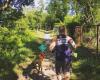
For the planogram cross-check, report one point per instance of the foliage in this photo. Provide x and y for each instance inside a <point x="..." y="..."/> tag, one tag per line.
<point x="72" y="19"/>
<point x="87" y="65"/>
<point x="11" y="43"/>
<point x="17" y="28"/>
<point x="15" y="33"/>
<point x="17" y="38"/>
<point x="97" y="16"/>
<point x="88" y="10"/>
<point x="58" y="9"/>
<point x="4" y="4"/>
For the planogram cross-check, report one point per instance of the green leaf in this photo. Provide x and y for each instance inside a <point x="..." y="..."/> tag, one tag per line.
<point x="75" y="55"/>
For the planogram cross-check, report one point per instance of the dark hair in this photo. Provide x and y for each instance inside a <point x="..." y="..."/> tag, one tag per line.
<point x="61" y="29"/>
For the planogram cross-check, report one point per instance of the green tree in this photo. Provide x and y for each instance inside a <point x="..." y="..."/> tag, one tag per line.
<point x="58" y="9"/>
<point x="88" y="10"/>
<point x="7" y="3"/>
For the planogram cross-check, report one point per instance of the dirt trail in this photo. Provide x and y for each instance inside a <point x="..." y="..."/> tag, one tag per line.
<point x="48" y="70"/>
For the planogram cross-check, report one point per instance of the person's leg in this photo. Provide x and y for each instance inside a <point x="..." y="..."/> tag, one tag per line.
<point x="67" y="76"/>
<point x="59" y="77"/>
<point x="66" y="71"/>
<point x="58" y="70"/>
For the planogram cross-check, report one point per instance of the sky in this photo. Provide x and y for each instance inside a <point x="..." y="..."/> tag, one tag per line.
<point x="46" y="2"/>
<point x="38" y="3"/>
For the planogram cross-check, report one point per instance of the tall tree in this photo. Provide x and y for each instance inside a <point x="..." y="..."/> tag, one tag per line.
<point x="88" y="10"/>
<point x="58" y="9"/>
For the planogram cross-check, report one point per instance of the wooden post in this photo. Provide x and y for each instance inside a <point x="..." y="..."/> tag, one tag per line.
<point x="78" y="35"/>
<point x="97" y="38"/>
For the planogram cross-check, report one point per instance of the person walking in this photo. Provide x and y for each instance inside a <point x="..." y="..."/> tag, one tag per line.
<point x="61" y="46"/>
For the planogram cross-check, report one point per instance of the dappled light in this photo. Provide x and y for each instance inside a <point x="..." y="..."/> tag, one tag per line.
<point x="86" y="66"/>
<point x="29" y="27"/>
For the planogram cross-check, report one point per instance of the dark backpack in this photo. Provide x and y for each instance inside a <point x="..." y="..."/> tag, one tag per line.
<point x="63" y="52"/>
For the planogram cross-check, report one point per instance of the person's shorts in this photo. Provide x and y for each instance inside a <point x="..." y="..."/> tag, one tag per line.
<point x="62" y="67"/>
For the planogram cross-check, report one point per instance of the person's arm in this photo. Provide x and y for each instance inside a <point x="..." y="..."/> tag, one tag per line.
<point x="52" y="44"/>
<point x="71" y="41"/>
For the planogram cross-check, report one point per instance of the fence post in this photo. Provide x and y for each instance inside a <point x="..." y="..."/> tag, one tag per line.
<point x="98" y="38"/>
<point x="78" y="35"/>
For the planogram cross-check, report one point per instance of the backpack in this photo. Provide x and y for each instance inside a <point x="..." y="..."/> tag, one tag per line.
<point x="63" y="52"/>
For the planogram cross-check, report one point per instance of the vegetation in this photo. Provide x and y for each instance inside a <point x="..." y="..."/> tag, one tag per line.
<point x="20" y="33"/>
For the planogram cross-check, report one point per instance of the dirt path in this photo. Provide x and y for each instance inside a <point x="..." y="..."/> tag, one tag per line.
<point x="48" y="67"/>
<point x="48" y="70"/>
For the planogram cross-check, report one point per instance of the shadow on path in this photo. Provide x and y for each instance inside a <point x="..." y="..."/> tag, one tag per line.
<point x="32" y="73"/>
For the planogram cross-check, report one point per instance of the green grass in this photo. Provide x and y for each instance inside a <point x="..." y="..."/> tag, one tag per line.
<point x="87" y="66"/>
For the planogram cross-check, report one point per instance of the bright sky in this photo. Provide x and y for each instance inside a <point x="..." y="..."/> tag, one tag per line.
<point x="46" y="2"/>
<point x="38" y="3"/>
